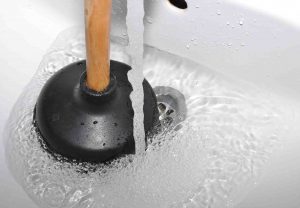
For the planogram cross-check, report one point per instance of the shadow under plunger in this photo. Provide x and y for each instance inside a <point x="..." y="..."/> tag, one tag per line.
<point x="84" y="111"/>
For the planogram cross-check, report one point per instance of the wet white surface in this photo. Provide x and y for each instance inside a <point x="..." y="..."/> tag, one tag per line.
<point x="271" y="50"/>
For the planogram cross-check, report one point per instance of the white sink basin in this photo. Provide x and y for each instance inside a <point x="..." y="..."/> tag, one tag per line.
<point x="230" y="38"/>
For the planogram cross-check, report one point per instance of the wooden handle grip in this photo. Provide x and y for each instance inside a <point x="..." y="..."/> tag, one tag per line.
<point x="97" y="30"/>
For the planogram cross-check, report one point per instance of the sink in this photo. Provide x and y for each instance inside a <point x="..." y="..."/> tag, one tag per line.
<point x="233" y="39"/>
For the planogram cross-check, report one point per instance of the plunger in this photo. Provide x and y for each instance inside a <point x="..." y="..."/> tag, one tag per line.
<point x="84" y="111"/>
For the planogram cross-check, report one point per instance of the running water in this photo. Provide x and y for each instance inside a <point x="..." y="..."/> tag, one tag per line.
<point x="135" y="29"/>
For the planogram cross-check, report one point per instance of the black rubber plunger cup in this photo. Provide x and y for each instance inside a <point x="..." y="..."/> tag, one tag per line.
<point x="82" y="124"/>
<point x="84" y="111"/>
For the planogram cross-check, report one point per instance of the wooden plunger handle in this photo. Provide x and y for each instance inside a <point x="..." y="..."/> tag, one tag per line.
<point x="97" y="30"/>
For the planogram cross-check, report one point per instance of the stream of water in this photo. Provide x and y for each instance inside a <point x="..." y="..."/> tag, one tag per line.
<point x="135" y="28"/>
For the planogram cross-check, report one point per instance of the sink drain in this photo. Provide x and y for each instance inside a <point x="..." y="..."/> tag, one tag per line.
<point x="171" y="105"/>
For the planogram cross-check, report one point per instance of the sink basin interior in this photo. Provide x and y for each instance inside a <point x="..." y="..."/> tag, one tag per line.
<point x="212" y="158"/>
<point x="239" y="73"/>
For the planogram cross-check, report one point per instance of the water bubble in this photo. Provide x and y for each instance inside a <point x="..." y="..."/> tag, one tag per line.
<point x="34" y="179"/>
<point x="54" y="195"/>
<point x="86" y="202"/>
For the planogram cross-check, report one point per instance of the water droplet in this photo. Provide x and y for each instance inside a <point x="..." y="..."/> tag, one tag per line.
<point x="241" y="22"/>
<point x="219" y="12"/>
<point x="149" y="20"/>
